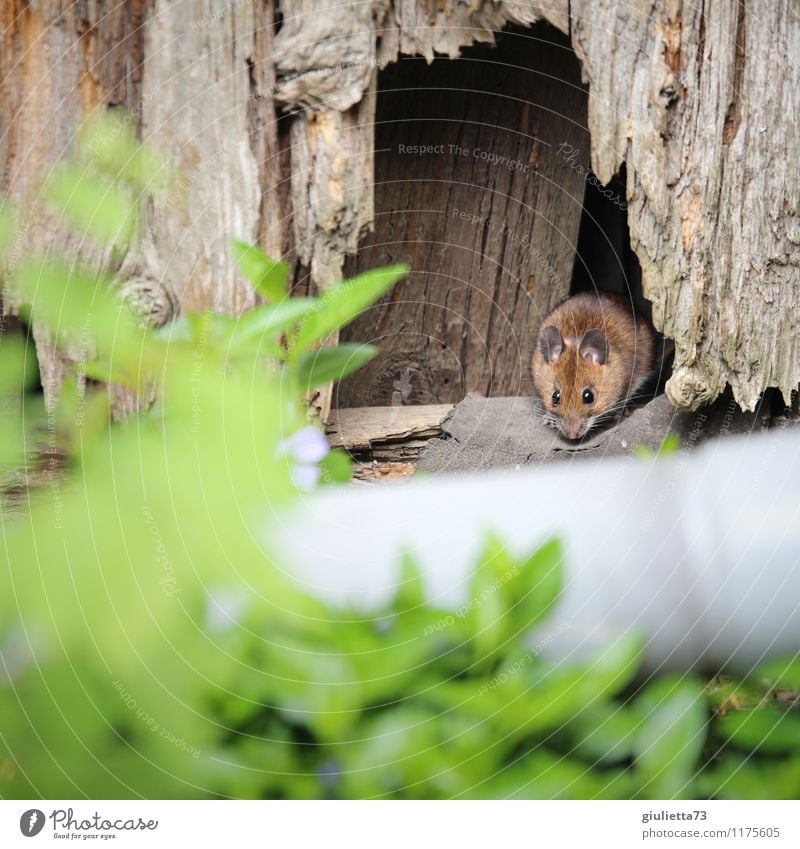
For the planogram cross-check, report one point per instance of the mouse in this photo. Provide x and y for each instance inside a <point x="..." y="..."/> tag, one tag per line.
<point x="594" y="353"/>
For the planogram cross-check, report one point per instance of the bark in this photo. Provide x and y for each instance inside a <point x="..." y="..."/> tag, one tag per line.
<point x="700" y="101"/>
<point x="196" y="79"/>
<point x="196" y="99"/>
<point x="59" y="62"/>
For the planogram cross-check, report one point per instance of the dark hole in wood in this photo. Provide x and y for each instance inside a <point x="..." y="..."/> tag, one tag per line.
<point x="605" y="261"/>
<point x="486" y="214"/>
<point x="14" y="326"/>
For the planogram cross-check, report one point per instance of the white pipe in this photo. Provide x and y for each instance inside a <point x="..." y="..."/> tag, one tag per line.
<point x="698" y="552"/>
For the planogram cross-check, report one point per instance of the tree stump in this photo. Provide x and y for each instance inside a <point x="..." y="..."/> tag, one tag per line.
<point x="698" y="102"/>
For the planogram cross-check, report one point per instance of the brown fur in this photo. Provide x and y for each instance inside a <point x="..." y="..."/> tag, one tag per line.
<point x="629" y="363"/>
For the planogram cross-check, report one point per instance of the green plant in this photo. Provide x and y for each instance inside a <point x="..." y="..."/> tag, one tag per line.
<point x="670" y="445"/>
<point x="153" y="642"/>
<point x="161" y="656"/>
<point x="97" y="194"/>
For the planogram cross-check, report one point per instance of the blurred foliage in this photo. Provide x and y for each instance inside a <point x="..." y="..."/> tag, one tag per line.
<point x="670" y="445"/>
<point x="153" y="644"/>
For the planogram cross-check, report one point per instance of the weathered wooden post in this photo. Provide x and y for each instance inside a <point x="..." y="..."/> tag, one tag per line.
<point x="272" y="130"/>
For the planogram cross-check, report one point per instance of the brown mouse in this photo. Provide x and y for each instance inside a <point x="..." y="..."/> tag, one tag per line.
<point x="593" y="354"/>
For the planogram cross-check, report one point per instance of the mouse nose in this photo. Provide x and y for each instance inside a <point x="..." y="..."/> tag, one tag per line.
<point x="572" y="428"/>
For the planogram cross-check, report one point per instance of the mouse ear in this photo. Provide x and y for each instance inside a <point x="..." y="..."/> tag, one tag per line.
<point x="594" y="347"/>
<point x="550" y="343"/>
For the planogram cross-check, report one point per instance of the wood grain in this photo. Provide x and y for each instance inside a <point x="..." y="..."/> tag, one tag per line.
<point x="59" y="63"/>
<point x="472" y="193"/>
<point x="701" y="102"/>
<point x="387" y="433"/>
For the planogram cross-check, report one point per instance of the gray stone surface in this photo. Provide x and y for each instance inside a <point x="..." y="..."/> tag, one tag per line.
<point x="488" y="433"/>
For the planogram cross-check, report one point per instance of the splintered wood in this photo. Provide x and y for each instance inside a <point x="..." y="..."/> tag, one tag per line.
<point x="386" y="433"/>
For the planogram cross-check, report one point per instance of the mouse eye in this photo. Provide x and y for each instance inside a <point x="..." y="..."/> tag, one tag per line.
<point x="556" y="397"/>
<point x="587" y="396"/>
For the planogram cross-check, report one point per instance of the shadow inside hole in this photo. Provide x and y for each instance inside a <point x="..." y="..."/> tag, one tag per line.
<point x="605" y="262"/>
<point x="471" y="194"/>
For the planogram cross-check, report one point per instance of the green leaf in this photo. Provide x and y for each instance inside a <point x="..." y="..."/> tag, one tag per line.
<point x="17" y="437"/>
<point x="781" y="672"/>
<point x="521" y="698"/>
<point x="613" y="667"/>
<point x="81" y="414"/>
<point x="563" y="692"/>
<point x="394" y="749"/>
<point x="604" y="733"/>
<point x="761" y="729"/>
<point x="670" y="445"/>
<point x="20" y="368"/>
<point x="542" y="775"/>
<point x="671" y="736"/>
<point x="743" y="777"/>
<point x="108" y="144"/>
<point x="179" y="330"/>
<point x="106" y="371"/>
<point x="539" y="585"/>
<point x="487" y="607"/>
<point x="314" y="686"/>
<point x="208" y="325"/>
<point x="497" y="561"/>
<point x="79" y="308"/>
<point x="270" y="320"/>
<point x="326" y="365"/>
<point x="207" y="332"/>
<point x="724" y="695"/>
<point x="267" y="276"/>
<point x="410" y="592"/>
<point x="340" y="304"/>
<point x="336" y="467"/>
<point x="92" y="207"/>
